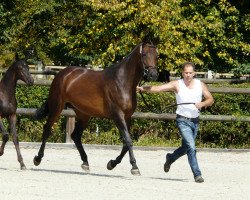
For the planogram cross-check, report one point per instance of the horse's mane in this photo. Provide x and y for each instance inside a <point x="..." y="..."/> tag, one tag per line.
<point x="125" y="58"/>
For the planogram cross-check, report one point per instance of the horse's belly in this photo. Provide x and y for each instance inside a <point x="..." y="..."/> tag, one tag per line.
<point x="86" y="97"/>
<point x="93" y="106"/>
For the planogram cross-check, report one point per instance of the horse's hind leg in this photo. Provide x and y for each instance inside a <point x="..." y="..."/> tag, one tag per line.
<point x="52" y="117"/>
<point x="12" y="122"/>
<point x="46" y="133"/>
<point x="5" y="137"/>
<point x="76" y="137"/>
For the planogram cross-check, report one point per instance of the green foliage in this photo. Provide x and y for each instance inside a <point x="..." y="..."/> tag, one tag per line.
<point x="225" y="134"/>
<point x="31" y="97"/>
<point x="143" y="131"/>
<point x="241" y="70"/>
<point x="212" y="34"/>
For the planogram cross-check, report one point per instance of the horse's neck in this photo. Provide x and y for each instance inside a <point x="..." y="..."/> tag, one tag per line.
<point x="132" y="69"/>
<point x="135" y="68"/>
<point x="9" y="81"/>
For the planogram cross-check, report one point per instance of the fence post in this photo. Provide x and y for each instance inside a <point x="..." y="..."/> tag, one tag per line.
<point x="70" y="125"/>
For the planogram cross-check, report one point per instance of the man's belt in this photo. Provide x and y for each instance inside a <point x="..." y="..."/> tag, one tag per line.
<point x="187" y="118"/>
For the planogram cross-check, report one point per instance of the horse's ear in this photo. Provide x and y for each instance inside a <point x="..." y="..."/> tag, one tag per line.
<point x="16" y="56"/>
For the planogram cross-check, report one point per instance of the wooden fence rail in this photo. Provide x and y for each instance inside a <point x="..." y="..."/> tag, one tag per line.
<point x="148" y="115"/>
<point x="70" y="114"/>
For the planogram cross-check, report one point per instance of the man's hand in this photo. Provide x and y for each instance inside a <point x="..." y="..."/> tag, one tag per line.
<point x="139" y="88"/>
<point x="199" y="105"/>
<point x="145" y="88"/>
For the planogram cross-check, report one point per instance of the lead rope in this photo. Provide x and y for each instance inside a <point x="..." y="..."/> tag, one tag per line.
<point x="157" y="111"/>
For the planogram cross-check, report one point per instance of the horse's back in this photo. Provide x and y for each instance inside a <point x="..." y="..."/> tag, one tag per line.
<point x="81" y="88"/>
<point x="70" y="76"/>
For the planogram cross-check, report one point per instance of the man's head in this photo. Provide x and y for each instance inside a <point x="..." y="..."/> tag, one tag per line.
<point x="188" y="71"/>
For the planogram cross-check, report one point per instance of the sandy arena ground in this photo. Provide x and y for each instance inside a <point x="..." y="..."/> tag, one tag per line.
<point x="59" y="176"/>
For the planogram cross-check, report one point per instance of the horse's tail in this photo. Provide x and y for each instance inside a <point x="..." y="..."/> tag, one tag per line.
<point x="42" y="112"/>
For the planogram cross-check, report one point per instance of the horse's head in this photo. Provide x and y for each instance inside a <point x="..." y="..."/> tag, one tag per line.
<point x="149" y="56"/>
<point x="22" y="71"/>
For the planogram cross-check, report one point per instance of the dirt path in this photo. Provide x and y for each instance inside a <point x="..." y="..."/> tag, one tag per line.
<point x="59" y="176"/>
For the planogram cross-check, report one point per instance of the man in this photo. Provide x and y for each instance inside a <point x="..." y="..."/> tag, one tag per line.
<point x="187" y="90"/>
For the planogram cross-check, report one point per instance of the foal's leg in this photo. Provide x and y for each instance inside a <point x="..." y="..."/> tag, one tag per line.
<point x="76" y="137"/>
<point x="12" y="122"/>
<point x="122" y="126"/>
<point x="5" y="136"/>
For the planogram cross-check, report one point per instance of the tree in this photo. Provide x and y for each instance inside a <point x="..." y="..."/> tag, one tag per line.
<point x="212" y="34"/>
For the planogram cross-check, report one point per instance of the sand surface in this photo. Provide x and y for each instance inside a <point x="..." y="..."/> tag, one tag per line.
<point x="59" y="176"/>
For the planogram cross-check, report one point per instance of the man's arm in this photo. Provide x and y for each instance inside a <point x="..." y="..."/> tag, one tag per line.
<point x="167" y="87"/>
<point x="209" y="100"/>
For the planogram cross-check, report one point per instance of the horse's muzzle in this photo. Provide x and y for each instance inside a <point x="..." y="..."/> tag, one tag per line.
<point x="150" y="74"/>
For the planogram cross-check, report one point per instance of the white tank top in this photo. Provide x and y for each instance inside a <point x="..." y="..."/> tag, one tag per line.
<point x="186" y="95"/>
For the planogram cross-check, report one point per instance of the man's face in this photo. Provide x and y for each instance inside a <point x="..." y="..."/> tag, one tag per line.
<point x="188" y="73"/>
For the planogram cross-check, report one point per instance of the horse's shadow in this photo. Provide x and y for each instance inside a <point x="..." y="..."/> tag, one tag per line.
<point x="170" y="179"/>
<point x="79" y="173"/>
<point x="98" y="175"/>
<point x="105" y="175"/>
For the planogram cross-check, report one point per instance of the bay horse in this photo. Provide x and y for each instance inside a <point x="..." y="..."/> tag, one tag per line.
<point x="110" y="93"/>
<point x="19" y="70"/>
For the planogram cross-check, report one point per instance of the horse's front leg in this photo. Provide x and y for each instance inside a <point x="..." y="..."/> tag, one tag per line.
<point x="5" y="136"/>
<point x="12" y="122"/>
<point x="112" y="163"/>
<point x="123" y="127"/>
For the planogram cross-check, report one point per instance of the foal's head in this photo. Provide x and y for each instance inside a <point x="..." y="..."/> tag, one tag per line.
<point x="149" y="55"/>
<point x="21" y="69"/>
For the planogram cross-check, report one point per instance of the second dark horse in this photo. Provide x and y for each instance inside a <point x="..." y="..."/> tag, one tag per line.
<point x="110" y="93"/>
<point x="8" y="103"/>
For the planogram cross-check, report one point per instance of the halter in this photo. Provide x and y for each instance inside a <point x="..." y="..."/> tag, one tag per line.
<point x="145" y="67"/>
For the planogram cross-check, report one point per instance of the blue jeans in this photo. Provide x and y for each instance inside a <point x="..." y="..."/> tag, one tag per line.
<point x="188" y="131"/>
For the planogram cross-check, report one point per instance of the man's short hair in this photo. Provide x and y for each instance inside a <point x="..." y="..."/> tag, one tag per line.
<point x="188" y="63"/>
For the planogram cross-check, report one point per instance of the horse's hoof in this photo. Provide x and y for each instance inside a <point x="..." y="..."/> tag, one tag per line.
<point x="36" y="161"/>
<point x="110" y="166"/>
<point x="85" y="166"/>
<point x="23" y="167"/>
<point x="135" y="172"/>
<point x="1" y="153"/>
